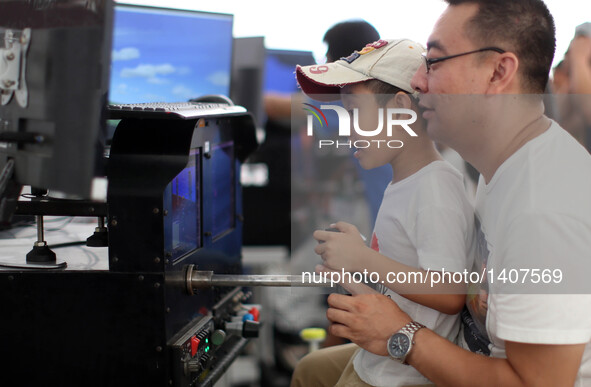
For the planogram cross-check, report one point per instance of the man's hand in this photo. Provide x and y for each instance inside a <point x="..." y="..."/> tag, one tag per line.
<point x="341" y="250"/>
<point x="367" y="320"/>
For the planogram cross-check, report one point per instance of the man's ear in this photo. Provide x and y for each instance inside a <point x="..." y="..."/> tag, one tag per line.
<point x="504" y="78"/>
<point x="400" y="100"/>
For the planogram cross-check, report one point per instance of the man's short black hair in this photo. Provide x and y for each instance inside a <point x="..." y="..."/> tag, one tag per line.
<point x="345" y="37"/>
<point x="524" y="27"/>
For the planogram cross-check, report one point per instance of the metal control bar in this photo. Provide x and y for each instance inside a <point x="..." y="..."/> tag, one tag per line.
<point x="199" y="279"/>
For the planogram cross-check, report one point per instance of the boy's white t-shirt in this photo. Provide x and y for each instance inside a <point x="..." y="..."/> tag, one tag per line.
<point x="425" y="221"/>
<point x="535" y="214"/>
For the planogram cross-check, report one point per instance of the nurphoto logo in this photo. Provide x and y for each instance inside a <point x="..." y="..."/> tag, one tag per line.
<point x="345" y="120"/>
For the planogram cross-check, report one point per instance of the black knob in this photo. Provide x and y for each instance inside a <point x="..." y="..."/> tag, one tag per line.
<point x="250" y="329"/>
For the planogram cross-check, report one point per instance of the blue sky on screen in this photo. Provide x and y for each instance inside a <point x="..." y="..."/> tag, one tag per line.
<point x="279" y="69"/>
<point x="169" y="56"/>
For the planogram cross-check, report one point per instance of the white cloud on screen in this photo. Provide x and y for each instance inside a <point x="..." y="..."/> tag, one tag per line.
<point x="148" y="70"/>
<point x="219" y="78"/>
<point x="127" y="53"/>
<point x="158" y="81"/>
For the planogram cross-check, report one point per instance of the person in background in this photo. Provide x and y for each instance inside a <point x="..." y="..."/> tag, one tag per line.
<point x="341" y="40"/>
<point x="577" y="114"/>
<point x="562" y="103"/>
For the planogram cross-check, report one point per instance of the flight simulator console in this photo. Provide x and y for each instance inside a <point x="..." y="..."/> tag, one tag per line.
<point x="172" y="219"/>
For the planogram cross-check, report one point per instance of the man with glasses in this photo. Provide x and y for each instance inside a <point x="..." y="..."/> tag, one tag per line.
<point x="486" y="65"/>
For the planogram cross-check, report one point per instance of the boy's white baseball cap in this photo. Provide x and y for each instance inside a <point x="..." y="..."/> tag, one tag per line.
<point x="393" y="61"/>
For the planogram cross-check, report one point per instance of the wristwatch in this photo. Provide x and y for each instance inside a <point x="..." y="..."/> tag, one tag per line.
<point x="401" y="342"/>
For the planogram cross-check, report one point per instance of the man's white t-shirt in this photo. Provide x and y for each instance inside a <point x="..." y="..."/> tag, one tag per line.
<point x="425" y="221"/>
<point x="535" y="217"/>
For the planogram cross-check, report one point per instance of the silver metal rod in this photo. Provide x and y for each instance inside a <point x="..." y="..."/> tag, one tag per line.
<point x="40" y="236"/>
<point x="260" y="280"/>
<point x="207" y="279"/>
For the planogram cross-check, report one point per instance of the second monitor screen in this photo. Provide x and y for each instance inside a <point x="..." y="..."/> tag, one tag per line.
<point x="182" y="199"/>
<point x="167" y="55"/>
<point x="193" y="210"/>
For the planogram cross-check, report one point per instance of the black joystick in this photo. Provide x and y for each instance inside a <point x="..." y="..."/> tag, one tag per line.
<point x="331" y="229"/>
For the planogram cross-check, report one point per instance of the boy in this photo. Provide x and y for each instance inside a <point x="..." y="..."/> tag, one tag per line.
<point x="424" y="225"/>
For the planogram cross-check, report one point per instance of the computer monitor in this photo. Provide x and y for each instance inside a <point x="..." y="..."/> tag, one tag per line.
<point x="248" y="71"/>
<point x="223" y="164"/>
<point x="55" y="78"/>
<point x="183" y="198"/>
<point x="182" y="201"/>
<point x="169" y="55"/>
<point x="280" y="69"/>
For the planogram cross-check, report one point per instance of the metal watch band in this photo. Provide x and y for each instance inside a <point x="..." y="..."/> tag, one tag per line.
<point x="412" y="327"/>
<point x="409" y="331"/>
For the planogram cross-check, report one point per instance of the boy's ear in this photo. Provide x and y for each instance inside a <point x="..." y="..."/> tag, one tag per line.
<point x="400" y="100"/>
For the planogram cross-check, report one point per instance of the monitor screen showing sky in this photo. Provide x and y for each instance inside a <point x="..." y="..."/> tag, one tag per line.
<point x="280" y="69"/>
<point x="162" y="55"/>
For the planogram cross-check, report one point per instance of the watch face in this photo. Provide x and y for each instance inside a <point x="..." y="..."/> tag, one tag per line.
<point x="399" y="345"/>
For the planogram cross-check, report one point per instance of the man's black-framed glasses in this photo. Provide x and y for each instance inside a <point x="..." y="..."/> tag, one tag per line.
<point x="431" y="61"/>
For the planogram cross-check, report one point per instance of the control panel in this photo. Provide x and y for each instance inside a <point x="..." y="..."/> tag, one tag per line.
<point x="205" y="348"/>
<point x="191" y="351"/>
<point x="235" y="317"/>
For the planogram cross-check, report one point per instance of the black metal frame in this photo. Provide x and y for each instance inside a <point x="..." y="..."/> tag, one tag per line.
<point x="99" y="328"/>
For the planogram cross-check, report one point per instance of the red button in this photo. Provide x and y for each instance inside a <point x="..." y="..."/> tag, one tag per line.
<point x="255" y="313"/>
<point x="194" y="345"/>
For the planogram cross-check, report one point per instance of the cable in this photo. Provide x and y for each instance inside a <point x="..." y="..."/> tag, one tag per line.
<point x="67" y="244"/>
